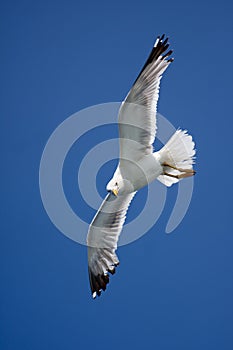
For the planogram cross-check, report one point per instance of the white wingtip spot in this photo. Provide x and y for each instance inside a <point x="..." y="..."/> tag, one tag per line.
<point x="94" y="295"/>
<point x="156" y="42"/>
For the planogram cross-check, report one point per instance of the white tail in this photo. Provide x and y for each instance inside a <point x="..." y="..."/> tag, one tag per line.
<point x="179" y="152"/>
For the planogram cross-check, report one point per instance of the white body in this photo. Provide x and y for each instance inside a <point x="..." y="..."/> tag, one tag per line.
<point x="138" y="174"/>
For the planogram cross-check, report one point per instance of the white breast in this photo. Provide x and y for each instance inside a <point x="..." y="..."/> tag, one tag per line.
<point x="141" y="173"/>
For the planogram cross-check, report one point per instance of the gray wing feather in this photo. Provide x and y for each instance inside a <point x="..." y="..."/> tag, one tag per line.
<point x="102" y="240"/>
<point x="137" y="115"/>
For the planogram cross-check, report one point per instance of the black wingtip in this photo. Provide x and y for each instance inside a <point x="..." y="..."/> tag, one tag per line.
<point x="112" y="271"/>
<point x="165" y="41"/>
<point x="98" y="283"/>
<point x="167" y="54"/>
<point x="158" y="52"/>
<point x="162" y="37"/>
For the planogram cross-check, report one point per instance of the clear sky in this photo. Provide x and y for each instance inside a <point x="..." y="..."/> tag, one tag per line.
<point x="170" y="291"/>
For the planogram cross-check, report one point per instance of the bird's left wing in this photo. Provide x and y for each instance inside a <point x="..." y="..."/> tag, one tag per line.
<point x="102" y="239"/>
<point x="137" y="115"/>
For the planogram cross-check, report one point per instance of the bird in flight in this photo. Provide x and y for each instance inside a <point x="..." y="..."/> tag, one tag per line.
<point x="138" y="164"/>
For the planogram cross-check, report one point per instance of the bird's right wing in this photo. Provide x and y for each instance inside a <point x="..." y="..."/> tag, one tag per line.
<point x="137" y="115"/>
<point x="102" y="240"/>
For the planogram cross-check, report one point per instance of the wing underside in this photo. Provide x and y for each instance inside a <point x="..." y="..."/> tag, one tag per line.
<point x="137" y="115"/>
<point x="102" y="240"/>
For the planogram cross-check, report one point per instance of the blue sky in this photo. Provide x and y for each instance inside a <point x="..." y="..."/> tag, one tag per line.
<point x="170" y="291"/>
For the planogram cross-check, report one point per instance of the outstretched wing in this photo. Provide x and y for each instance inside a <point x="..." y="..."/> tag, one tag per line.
<point x="137" y="115"/>
<point x="102" y="240"/>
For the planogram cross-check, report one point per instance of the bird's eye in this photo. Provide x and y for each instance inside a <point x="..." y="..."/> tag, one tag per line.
<point x="116" y="184"/>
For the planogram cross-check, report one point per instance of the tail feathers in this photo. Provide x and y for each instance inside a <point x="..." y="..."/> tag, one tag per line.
<point x="179" y="152"/>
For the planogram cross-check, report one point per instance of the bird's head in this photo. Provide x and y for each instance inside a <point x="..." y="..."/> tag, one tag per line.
<point x="119" y="186"/>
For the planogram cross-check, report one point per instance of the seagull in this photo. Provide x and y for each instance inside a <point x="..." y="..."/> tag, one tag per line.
<point x="138" y="164"/>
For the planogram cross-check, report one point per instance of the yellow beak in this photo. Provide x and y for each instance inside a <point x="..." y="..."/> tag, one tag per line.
<point x="115" y="191"/>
